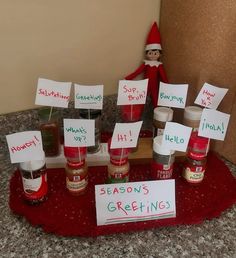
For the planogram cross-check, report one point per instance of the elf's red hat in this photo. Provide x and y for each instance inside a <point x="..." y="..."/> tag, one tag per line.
<point x="154" y="38"/>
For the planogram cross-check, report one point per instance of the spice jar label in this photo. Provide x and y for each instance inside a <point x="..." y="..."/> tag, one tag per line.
<point x="160" y="171"/>
<point x="194" y="174"/>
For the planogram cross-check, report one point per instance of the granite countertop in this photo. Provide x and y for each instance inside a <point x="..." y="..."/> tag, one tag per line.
<point x="215" y="238"/>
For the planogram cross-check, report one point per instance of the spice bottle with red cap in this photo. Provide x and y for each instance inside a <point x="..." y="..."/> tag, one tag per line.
<point x="195" y="165"/>
<point x="34" y="180"/>
<point x="118" y="167"/>
<point x="163" y="160"/>
<point x="76" y="170"/>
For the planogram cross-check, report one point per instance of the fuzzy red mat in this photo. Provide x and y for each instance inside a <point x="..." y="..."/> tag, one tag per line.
<point x="65" y="215"/>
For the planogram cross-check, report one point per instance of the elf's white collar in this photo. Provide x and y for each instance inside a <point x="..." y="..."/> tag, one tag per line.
<point x="152" y="63"/>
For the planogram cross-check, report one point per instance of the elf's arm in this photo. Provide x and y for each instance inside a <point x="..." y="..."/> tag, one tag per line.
<point x="162" y="73"/>
<point x="136" y="72"/>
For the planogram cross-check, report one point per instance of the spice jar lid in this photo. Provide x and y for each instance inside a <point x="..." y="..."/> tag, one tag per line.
<point x="74" y="152"/>
<point x="163" y="114"/>
<point x="198" y="142"/>
<point x="33" y="164"/>
<point x="117" y="152"/>
<point x="159" y="148"/>
<point x="192" y="113"/>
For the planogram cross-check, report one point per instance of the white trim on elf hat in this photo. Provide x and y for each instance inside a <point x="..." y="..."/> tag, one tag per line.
<point x="153" y="39"/>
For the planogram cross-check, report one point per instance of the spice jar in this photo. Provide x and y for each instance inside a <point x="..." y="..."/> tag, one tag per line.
<point x="192" y="117"/>
<point x="96" y="115"/>
<point x="118" y="167"/>
<point x="76" y="170"/>
<point x="163" y="160"/>
<point x="131" y="113"/>
<point x="195" y="164"/>
<point x="50" y="130"/>
<point x="34" y="180"/>
<point x="161" y="115"/>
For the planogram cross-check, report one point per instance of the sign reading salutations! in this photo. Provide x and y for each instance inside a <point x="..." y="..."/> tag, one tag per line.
<point x="172" y="95"/>
<point x="24" y="146"/>
<point x="129" y="202"/>
<point x="132" y="92"/>
<point x="213" y="124"/>
<point x="52" y="93"/>
<point x="79" y="132"/>
<point x="125" y="135"/>
<point x="176" y="136"/>
<point x="210" y="96"/>
<point x="88" y="97"/>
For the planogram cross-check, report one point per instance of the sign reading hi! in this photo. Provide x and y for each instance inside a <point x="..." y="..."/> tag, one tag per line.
<point x="52" y="93"/>
<point x="130" y="202"/>
<point x="24" y="146"/>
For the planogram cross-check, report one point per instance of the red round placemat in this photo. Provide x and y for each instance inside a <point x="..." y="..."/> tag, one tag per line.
<point x="66" y="215"/>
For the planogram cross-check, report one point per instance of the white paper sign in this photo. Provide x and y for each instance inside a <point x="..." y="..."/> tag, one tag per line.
<point x="88" y="97"/>
<point x="25" y="146"/>
<point x="125" y="135"/>
<point x="129" y="202"/>
<point x="52" y="93"/>
<point x="132" y="92"/>
<point x="213" y="124"/>
<point x="210" y="96"/>
<point x="176" y="136"/>
<point x="172" y="95"/>
<point x="79" y="132"/>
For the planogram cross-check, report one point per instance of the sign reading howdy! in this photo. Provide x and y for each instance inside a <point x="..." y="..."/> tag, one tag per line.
<point x="52" y="93"/>
<point x="79" y="132"/>
<point x="24" y="146"/>
<point x="132" y="92"/>
<point x="88" y="97"/>
<point x="130" y="202"/>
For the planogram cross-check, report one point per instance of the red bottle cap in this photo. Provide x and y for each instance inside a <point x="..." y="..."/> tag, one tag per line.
<point x="197" y="146"/>
<point x="117" y="152"/>
<point x="74" y="152"/>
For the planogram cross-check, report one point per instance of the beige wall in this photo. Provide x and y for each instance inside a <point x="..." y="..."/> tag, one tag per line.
<point x="87" y="42"/>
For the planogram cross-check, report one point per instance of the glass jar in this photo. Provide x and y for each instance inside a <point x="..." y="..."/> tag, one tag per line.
<point x="161" y="115"/>
<point x="163" y="160"/>
<point x="34" y="180"/>
<point x="96" y="115"/>
<point x="50" y="130"/>
<point x="131" y="113"/>
<point x="192" y="117"/>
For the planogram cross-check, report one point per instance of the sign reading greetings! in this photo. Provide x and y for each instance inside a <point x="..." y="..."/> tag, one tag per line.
<point x="132" y="92"/>
<point x="52" y="93"/>
<point x="130" y="202"/>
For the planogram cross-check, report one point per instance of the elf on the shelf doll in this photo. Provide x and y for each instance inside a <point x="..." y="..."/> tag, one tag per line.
<point x="151" y="67"/>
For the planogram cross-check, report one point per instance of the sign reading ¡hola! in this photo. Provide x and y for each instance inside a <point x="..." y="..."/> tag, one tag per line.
<point x="130" y="202"/>
<point x="52" y="93"/>
<point x="24" y="146"/>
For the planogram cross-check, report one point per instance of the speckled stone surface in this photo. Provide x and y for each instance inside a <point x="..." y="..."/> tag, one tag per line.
<point x="215" y="238"/>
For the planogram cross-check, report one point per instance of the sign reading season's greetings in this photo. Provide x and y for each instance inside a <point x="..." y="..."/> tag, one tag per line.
<point x="88" y="97"/>
<point x="79" y="132"/>
<point x="24" y="146"/>
<point x="125" y="135"/>
<point x="176" y="136"/>
<point x="210" y="96"/>
<point x="129" y="202"/>
<point x="132" y="92"/>
<point x="172" y="95"/>
<point x="213" y="124"/>
<point x="52" y="93"/>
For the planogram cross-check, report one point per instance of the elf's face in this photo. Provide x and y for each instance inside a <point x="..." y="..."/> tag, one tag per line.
<point x="153" y="55"/>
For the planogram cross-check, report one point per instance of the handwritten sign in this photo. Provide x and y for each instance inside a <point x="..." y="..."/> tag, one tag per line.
<point x="24" y="146"/>
<point x="176" y="136"/>
<point x="88" y="97"/>
<point x="132" y="92"/>
<point x="79" y="132"/>
<point x="210" y="96"/>
<point x="125" y="135"/>
<point x="172" y="95"/>
<point x="52" y="93"/>
<point x="129" y="202"/>
<point x="213" y="124"/>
